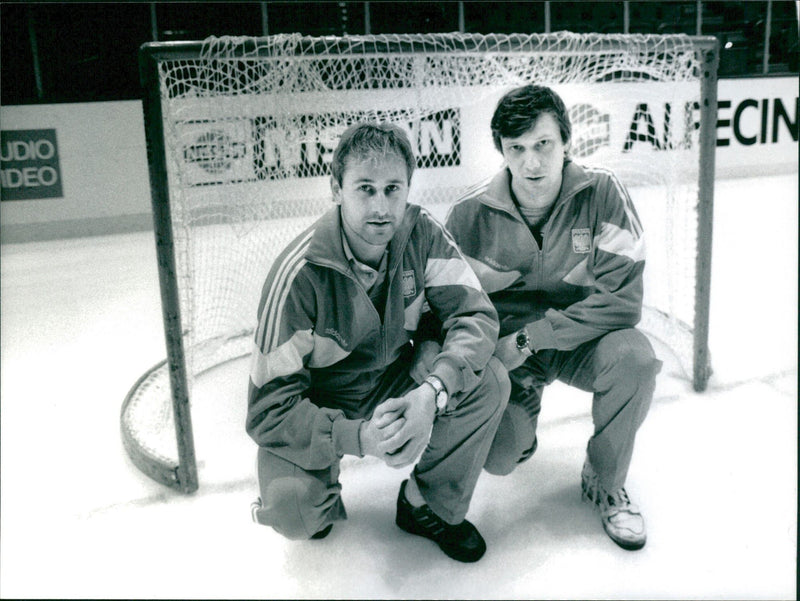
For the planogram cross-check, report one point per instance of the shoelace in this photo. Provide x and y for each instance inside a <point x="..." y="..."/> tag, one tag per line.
<point x="608" y="502"/>
<point x="620" y="499"/>
<point x="617" y="503"/>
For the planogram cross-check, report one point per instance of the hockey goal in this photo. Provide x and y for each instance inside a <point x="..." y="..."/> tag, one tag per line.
<point x="240" y="133"/>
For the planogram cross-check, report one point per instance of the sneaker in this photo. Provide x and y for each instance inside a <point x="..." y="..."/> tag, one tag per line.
<point x="461" y="542"/>
<point x="622" y="520"/>
<point x="256" y="505"/>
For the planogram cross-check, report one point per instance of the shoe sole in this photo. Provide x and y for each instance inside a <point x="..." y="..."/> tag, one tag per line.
<point x="628" y="546"/>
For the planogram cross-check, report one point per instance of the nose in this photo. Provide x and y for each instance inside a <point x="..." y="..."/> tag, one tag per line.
<point x="380" y="203"/>
<point x="532" y="161"/>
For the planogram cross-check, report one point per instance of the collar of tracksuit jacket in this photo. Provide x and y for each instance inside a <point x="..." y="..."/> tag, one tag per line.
<point x="498" y="193"/>
<point x="326" y="244"/>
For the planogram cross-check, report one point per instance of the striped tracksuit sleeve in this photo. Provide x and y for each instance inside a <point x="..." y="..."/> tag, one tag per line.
<point x="469" y="320"/>
<point x="280" y="417"/>
<point x="617" y="268"/>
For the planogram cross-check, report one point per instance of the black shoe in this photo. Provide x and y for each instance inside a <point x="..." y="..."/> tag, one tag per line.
<point x="462" y="542"/>
<point x="323" y="533"/>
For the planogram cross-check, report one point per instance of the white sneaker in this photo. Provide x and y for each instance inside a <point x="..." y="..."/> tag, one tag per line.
<point x="622" y="520"/>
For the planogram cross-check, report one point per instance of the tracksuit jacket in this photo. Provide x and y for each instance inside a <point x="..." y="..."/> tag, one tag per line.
<point x="321" y="346"/>
<point x="585" y="280"/>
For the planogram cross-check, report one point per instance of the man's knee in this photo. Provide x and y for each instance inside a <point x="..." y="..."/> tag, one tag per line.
<point x="293" y="507"/>
<point x="497" y="385"/>
<point x="632" y="356"/>
<point x="514" y="442"/>
<point x="487" y="400"/>
<point x="629" y="379"/>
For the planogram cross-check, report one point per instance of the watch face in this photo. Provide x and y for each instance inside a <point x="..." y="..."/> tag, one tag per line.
<point x="441" y="401"/>
<point x="522" y="340"/>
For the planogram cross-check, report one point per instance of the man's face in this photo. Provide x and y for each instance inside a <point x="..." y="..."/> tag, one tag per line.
<point x="535" y="160"/>
<point x="373" y="196"/>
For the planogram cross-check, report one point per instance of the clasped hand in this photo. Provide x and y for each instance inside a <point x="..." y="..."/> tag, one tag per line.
<point x="400" y="428"/>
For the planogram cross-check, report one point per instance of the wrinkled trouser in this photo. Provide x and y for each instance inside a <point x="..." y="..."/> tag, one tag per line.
<point x="619" y="368"/>
<point x="297" y="503"/>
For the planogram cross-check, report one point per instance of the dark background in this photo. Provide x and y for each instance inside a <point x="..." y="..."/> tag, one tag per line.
<point x="82" y="52"/>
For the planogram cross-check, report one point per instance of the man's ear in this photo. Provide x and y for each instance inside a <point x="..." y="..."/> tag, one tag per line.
<point x="336" y="189"/>
<point x="567" y="148"/>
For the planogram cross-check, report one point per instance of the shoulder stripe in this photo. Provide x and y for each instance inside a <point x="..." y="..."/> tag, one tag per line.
<point x="444" y="231"/>
<point x="269" y="320"/>
<point x="273" y="327"/>
<point x="449" y="270"/>
<point x="630" y="210"/>
<point x="474" y="190"/>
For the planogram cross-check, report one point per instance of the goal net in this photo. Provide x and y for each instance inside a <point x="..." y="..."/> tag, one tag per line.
<point x="241" y="131"/>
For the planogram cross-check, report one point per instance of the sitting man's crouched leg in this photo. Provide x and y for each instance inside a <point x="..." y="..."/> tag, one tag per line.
<point x="298" y="504"/>
<point x="449" y="467"/>
<point x="515" y="440"/>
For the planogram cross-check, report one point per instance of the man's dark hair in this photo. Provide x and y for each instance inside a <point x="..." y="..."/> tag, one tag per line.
<point x="365" y="140"/>
<point x="519" y="109"/>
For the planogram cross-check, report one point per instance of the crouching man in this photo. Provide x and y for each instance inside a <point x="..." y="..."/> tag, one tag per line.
<point x="331" y="371"/>
<point x="560" y="250"/>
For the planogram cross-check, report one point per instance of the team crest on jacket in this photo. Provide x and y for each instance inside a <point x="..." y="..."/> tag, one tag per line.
<point x="581" y="240"/>
<point x="409" y="284"/>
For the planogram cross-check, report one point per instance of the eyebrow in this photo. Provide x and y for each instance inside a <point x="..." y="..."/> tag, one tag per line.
<point x="537" y="139"/>
<point x="367" y="180"/>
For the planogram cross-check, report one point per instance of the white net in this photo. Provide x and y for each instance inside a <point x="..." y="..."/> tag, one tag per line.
<point x="250" y="125"/>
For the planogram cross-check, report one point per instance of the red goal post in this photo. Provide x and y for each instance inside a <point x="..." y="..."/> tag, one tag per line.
<point x="239" y="135"/>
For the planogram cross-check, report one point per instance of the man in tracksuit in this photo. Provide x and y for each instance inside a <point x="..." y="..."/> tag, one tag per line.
<point x="331" y="369"/>
<point x="559" y="248"/>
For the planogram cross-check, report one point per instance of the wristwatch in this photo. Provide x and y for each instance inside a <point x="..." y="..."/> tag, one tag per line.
<point x="440" y="391"/>
<point x="524" y="342"/>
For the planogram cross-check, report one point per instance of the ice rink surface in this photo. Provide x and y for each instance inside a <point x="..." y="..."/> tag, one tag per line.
<point x="714" y="473"/>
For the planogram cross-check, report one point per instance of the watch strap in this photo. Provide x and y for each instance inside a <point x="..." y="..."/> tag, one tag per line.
<point x="440" y="393"/>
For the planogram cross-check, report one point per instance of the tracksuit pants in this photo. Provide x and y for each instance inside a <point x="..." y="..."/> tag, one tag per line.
<point x="619" y="368"/>
<point x="298" y="503"/>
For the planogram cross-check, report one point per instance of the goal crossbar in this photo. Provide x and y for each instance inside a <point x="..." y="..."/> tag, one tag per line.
<point x="310" y="46"/>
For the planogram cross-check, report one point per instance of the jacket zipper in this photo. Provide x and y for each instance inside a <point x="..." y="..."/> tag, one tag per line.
<point x="538" y="250"/>
<point x="390" y="278"/>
